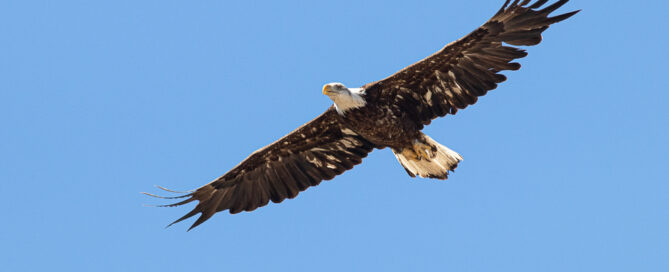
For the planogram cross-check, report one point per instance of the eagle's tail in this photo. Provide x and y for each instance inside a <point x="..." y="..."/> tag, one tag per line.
<point x="427" y="158"/>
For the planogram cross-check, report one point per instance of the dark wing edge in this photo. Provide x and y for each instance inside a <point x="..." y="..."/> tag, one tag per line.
<point x="318" y="150"/>
<point x="458" y="74"/>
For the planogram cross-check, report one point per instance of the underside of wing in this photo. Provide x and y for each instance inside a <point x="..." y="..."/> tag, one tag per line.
<point x="319" y="150"/>
<point x="457" y="75"/>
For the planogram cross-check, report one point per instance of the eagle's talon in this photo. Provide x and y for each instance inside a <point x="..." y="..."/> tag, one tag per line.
<point x="423" y="151"/>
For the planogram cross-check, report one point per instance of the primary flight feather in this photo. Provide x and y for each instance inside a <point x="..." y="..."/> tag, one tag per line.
<point x="386" y="113"/>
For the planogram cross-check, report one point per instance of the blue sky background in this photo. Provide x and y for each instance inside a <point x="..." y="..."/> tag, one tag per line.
<point x="565" y="163"/>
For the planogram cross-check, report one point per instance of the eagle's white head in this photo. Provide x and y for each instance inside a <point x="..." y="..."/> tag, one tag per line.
<point x="344" y="98"/>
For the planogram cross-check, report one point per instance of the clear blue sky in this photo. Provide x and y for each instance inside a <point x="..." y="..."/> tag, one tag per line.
<point x="565" y="163"/>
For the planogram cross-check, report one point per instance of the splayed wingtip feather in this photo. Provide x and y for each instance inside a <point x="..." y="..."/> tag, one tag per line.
<point x="173" y="191"/>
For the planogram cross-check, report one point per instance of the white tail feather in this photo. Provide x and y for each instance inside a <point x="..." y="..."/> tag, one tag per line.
<point x="437" y="167"/>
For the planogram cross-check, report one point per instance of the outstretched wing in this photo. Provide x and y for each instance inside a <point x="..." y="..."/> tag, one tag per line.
<point x="319" y="150"/>
<point x="458" y="74"/>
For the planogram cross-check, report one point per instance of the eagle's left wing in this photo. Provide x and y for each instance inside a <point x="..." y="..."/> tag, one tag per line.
<point x="319" y="150"/>
<point x="458" y="74"/>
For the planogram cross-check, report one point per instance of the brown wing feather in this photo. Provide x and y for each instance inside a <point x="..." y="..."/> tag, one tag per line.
<point x="458" y="74"/>
<point x="319" y="150"/>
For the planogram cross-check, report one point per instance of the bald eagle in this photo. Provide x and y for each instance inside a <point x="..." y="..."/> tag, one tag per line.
<point x="386" y="113"/>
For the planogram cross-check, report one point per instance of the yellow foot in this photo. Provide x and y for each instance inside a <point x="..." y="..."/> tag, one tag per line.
<point x="424" y="151"/>
<point x="410" y="154"/>
<point x="419" y="151"/>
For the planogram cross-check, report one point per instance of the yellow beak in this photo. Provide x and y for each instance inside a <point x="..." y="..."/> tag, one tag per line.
<point x="326" y="89"/>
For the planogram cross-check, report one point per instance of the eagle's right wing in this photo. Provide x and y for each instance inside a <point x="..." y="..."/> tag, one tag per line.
<point x="458" y="74"/>
<point x="319" y="150"/>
